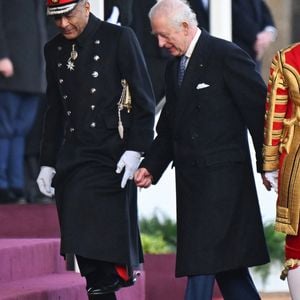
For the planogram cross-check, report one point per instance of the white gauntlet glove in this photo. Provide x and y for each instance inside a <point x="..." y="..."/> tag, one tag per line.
<point x="272" y="177"/>
<point x="44" y="181"/>
<point x="130" y="160"/>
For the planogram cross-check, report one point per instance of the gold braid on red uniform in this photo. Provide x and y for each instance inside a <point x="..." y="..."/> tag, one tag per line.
<point x="282" y="135"/>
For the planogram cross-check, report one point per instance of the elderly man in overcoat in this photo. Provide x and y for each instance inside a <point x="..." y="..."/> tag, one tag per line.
<point x="202" y="130"/>
<point x="98" y="123"/>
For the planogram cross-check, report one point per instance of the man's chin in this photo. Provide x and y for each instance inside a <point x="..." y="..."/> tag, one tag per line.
<point x="173" y="52"/>
<point x="69" y="35"/>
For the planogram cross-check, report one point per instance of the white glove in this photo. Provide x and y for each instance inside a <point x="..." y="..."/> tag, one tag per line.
<point x="130" y="160"/>
<point x="44" y="181"/>
<point x="272" y="177"/>
<point x="113" y="19"/>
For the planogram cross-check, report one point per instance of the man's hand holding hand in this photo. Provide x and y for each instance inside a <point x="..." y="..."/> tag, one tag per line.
<point x="143" y="178"/>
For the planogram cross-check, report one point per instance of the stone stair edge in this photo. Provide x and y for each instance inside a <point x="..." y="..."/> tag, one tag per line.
<point x="26" y="258"/>
<point x="55" y="283"/>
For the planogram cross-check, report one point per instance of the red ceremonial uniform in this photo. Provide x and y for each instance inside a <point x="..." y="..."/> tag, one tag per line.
<point x="282" y="144"/>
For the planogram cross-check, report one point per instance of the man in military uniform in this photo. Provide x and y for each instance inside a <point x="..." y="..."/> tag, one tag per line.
<point x="98" y="123"/>
<point x="282" y="157"/>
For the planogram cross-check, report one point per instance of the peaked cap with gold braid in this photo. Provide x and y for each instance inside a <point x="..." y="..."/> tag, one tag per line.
<point x="57" y="7"/>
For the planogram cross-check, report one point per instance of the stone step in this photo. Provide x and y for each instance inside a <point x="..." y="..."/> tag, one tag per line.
<point x="63" y="286"/>
<point x="27" y="258"/>
<point x="29" y="221"/>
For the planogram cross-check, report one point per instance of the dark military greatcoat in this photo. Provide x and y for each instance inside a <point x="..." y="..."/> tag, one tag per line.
<point x="81" y="141"/>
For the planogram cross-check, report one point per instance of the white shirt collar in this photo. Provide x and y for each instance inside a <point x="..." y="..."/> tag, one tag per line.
<point x="193" y="43"/>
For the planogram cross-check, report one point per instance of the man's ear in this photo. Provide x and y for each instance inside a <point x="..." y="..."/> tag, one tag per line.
<point x="87" y="7"/>
<point x="185" y="27"/>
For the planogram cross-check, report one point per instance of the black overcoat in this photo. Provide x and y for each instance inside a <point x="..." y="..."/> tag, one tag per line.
<point x="203" y="130"/>
<point x="22" y="38"/>
<point x="98" y="219"/>
<point x="249" y="17"/>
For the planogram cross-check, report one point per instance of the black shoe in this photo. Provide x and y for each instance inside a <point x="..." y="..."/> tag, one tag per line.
<point x="115" y="286"/>
<point x="105" y="289"/>
<point x="111" y="296"/>
<point x="17" y="196"/>
<point x="6" y="197"/>
<point x="131" y="281"/>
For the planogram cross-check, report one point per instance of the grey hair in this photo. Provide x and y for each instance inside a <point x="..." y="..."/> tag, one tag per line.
<point x="177" y="11"/>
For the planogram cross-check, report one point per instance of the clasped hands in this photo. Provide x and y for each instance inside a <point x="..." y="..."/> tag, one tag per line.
<point x="130" y="160"/>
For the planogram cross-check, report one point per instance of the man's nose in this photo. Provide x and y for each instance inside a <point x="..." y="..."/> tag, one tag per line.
<point x="161" y="41"/>
<point x="63" y="22"/>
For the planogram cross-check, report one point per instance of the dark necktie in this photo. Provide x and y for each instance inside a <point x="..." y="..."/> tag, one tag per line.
<point x="181" y="68"/>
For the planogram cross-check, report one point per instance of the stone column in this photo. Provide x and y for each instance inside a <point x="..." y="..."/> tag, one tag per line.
<point x="220" y="19"/>
<point x="97" y="8"/>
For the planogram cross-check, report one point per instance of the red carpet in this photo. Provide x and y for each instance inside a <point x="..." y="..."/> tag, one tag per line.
<point x="28" y="220"/>
<point x="32" y="269"/>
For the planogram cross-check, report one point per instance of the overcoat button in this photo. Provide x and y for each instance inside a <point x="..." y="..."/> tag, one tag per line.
<point x="93" y="125"/>
<point x="95" y="74"/>
<point x="93" y="107"/>
<point x="195" y="136"/>
<point x="93" y="90"/>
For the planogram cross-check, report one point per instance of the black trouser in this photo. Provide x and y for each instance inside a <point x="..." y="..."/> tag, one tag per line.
<point x="96" y="272"/>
